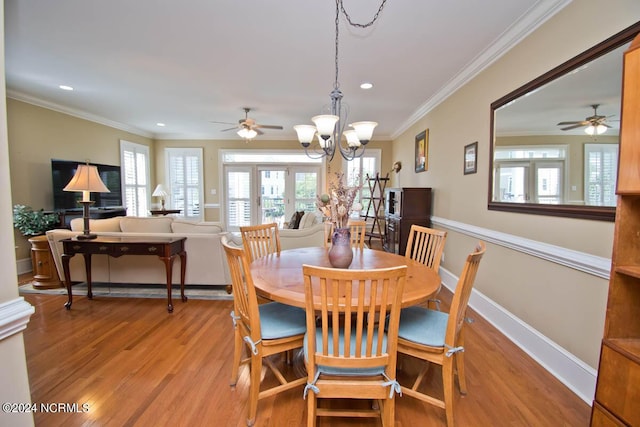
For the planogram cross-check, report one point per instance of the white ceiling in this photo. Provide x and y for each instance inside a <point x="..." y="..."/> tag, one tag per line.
<point x="187" y="63"/>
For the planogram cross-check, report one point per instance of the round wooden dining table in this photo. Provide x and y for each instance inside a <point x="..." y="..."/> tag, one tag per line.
<point x="278" y="277"/>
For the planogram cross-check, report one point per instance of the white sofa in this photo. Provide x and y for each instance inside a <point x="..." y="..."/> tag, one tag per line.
<point x="206" y="263"/>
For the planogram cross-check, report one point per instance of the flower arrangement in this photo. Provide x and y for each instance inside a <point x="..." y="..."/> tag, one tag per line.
<point x="339" y="204"/>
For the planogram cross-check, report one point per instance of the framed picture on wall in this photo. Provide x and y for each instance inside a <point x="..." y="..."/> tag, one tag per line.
<point x="422" y="151"/>
<point x="471" y="158"/>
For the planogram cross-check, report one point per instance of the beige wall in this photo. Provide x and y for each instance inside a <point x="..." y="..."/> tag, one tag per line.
<point x="37" y="135"/>
<point x="563" y="304"/>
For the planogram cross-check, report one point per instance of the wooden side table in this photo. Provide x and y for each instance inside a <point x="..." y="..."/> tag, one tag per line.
<point x="45" y="274"/>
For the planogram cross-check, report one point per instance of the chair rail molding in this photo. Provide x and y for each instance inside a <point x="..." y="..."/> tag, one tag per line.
<point x="581" y="261"/>
<point x="14" y="316"/>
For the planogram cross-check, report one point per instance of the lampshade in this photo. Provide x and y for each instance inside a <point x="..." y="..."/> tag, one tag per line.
<point x="160" y="191"/>
<point x="86" y="180"/>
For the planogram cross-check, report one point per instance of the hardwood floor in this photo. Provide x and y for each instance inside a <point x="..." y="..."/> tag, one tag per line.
<point x="135" y="364"/>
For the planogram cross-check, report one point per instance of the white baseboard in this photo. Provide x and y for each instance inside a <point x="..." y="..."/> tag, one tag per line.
<point x="14" y="316"/>
<point x="24" y="265"/>
<point x="571" y="371"/>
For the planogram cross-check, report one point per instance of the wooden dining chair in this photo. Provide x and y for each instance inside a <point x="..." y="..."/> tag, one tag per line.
<point x="358" y="230"/>
<point x="260" y="240"/>
<point x="426" y="245"/>
<point x="437" y="337"/>
<point x="263" y="329"/>
<point x="350" y="350"/>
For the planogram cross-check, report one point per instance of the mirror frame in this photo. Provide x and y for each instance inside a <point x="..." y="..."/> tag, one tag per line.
<point x="600" y="213"/>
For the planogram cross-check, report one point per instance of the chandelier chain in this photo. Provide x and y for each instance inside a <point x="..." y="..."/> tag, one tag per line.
<point x="340" y="7"/>
<point x="355" y="24"/>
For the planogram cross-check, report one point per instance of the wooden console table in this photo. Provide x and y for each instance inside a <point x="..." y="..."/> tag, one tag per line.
<point x="165" y="248"/>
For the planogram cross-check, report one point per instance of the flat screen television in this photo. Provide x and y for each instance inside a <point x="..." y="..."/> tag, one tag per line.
<point x="63" y="170"/>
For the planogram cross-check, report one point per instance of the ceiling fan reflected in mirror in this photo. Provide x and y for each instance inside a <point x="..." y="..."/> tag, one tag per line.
<point x="595" y="124"/>
<point x="247" y="128"/>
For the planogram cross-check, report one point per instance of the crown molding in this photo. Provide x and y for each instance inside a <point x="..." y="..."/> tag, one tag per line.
<point x="19" y="96"/>
<point x="529" y="22"/>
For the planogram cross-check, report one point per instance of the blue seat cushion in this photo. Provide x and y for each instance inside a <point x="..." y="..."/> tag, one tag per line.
<point x="280" y="320"/>
<point x="330" y="370"/>
<point x="423" y="326"/>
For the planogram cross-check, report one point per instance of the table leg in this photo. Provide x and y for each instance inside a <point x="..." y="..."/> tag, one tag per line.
<point x="168" y="266"/>
<point x="87" y="267"/>
<point x="183" y="272"/>
<point x="67" y="280"/>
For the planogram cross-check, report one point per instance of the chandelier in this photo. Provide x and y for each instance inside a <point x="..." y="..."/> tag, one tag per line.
<point x="330" y="128"/>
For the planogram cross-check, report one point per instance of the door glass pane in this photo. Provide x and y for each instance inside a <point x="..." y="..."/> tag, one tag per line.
<point x="306" y="188"/>
<point x="512" y="184"/>
<point x="238" y="198"/>
<point x="548" y="185"/>
<point x="272" y="187"/>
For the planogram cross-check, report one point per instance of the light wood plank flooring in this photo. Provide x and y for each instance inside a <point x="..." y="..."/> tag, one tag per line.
<point x="136" y="365"/>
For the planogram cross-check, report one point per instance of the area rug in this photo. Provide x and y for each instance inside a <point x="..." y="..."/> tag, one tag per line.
<point x="134" y="291"/>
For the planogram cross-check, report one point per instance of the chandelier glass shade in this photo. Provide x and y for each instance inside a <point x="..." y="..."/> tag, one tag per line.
<point x="330" y="128"/>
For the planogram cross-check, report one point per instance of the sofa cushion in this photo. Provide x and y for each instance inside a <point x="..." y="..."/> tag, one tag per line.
<point x="97" y="225"/>
<point x="308" y="219"/>
<point x="132" y="224"/>
<point x="196" y="227"/>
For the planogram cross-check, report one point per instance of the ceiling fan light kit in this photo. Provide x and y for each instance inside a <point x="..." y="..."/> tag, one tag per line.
<point x="595" y="124"/>
<point x="330" y="127"/>
<point x="247" y="128"/>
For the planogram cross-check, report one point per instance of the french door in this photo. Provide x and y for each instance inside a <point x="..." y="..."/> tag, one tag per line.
<point x="260" y="194"/>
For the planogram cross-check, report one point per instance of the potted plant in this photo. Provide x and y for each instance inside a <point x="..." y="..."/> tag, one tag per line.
<point x="33" y="223"/>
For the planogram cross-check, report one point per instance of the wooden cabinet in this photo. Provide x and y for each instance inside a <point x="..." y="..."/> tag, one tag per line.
<point x="404" y="207"/>
<point x="618" y="386"/>
<point x="45" y="274"/>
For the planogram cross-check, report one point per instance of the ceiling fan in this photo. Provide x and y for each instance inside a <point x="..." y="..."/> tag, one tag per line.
<point x="595" y="123"/>
<point x="248" y="128"/>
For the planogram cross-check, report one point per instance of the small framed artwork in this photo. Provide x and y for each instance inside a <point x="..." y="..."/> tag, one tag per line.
<point x="471" y="158"/>
<point x="422" y="151"/>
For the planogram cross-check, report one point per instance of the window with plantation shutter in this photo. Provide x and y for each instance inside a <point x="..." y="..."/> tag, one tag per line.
<point x="600" y="169"/>
<point x="134" y="164"/>
<point x="184" y="167"/>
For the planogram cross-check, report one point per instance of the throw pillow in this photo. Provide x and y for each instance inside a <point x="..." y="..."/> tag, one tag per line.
<point x="294" y="222"/>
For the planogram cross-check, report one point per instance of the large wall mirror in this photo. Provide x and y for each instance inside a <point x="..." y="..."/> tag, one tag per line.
<point x="554" y="141"/>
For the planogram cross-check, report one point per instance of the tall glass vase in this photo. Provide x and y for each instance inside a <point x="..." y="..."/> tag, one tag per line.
<point x="340" y="253"/>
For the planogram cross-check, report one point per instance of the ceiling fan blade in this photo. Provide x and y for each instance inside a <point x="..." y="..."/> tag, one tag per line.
<point x="222" y="123"/>
<point x="269" y="127"/>
<point x="228" y="129"/>
<point x="579" y="125"/>
<point x="582" y="123"/>
<point x="258" y="131"/>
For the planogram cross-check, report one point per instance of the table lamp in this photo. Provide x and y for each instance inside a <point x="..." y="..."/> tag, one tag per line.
<point x="87" y="180"/>
<point x="160" y="192"/>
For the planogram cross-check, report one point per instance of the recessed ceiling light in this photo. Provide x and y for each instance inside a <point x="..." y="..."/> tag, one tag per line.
<point x="160" y="124"/>
<point x="366" y="85"/>
<point x="65" y="87"/>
